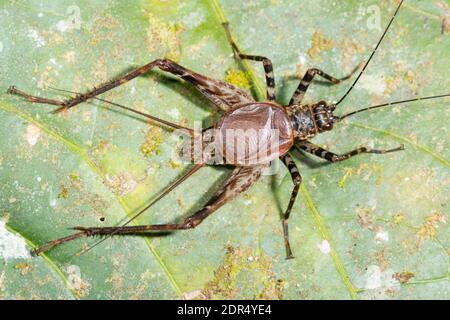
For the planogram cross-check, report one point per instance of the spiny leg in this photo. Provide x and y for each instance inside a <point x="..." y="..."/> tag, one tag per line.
<point x="171" y="187"/>
<point x="267" y="64"/>
<point x="69" y="103"/>
<point x="221" y="93"/>
<point x="297" y="180"/>
<point x="34" y="99"/>
<point x="332" y="157"/>
<point x="307" y="79"/>
<point x="239" y="181"/>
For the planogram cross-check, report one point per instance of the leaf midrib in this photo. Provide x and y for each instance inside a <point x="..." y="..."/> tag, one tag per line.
<point x="317" y="217"/>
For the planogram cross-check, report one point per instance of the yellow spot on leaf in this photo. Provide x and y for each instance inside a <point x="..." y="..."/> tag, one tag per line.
<point x="428" y="229"/>
<point x="237" y="78"/>
<point x="244" y="263"/>
<point x="64" y="193"/>
<point x="348" y="173"/>
<point x="74" y="176"/>
<point x="398" y="218"/>
<point x="152" y="142"/>
<point x="174" y="165"/>
<point x="403" y="277"/>
<point x="23" y="267"/>
<point x="319" y="44"/>
<point x="163" y="39"/>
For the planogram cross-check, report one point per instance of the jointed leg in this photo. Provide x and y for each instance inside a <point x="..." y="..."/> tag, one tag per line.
<point x="297" y="180"/>
<point x="307" y="79"/>
<point x="332" y="157"/>
<point x="223" y="94"/>
<point x="69" y="103"/>
<point x="239" y="181"/>
<point x="268" y="68"/>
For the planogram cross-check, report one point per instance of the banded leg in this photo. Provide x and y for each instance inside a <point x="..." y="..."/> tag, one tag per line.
<point x="297" y="180"/>
<point x="307" y="79"/>
<point x="239" y="181"/>
<point x="267" y="64"/>
<point x="221" y="93"/>
<point x="332" y="157"/>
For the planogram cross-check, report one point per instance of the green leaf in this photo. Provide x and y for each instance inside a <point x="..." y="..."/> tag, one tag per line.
<point x="374" y="226"/>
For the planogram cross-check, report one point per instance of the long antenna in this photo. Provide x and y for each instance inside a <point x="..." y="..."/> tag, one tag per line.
<point x="167" y="123"/>
<point x="371" y="56"/>
<point x="391" y="104"/>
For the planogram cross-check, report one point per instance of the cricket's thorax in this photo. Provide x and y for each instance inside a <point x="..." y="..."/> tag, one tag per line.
<point x="302" y="122"/>
<point x="310" y="120"/>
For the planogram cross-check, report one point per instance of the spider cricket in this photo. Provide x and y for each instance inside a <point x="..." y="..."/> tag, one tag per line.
<point x="283" y="127"/>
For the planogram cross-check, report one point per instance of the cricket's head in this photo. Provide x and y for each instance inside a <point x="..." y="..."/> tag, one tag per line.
<point x="323" y="116"/>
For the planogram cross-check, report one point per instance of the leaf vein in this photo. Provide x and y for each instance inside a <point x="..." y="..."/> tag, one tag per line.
<point x="85" y="157"/>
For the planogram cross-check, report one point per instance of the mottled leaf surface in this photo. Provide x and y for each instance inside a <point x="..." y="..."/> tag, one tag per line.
<point x="371" y="227"/>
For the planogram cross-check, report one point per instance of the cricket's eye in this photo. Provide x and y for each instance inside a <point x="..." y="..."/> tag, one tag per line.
<point x="322" y="104"/>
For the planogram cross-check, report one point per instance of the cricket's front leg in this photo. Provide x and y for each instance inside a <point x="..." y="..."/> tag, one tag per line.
<point x="333" y="157"/>
<point x="299" y="93"/>
<point x="239" y="181"/>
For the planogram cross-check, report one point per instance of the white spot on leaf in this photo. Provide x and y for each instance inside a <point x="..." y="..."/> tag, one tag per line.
<point x="76" y="283"/>
<point x="11" y="245"/>
<point x="324" y="247"/>
<point x="33" y="34"/>
<point x="194" y="295"/>
<point x="62" y="26"/>
<point x="379" y="284"/>
<point x="174" y="113"/>
<point x="32" y="134"/>
<point x="373" y="280"/>
<point x="193" y="19"/>
<point x="373" y="84"/>
<point x="122" y="184"/>
<point x="377" y="278"/>
<point x="302" y="59"/>
<point x="382" y="236"/>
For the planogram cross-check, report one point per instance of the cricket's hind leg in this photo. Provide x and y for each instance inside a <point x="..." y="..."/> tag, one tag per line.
<point x="222" y="94"/>
<point x="239" y="181"/>
<point x="34" y="99"/>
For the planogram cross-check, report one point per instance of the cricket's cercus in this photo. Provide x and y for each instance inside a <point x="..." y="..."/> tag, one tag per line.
<point x="248" y="136"/>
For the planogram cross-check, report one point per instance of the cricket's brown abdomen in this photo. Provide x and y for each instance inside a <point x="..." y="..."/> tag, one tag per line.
<point x="254" y="133"/>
